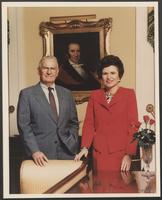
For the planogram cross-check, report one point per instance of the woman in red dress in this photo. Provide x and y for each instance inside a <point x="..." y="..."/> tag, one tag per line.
<point x="109" y="121"/>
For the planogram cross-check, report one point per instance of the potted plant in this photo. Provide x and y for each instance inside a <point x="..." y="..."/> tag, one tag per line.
<point x="145" y="138"/>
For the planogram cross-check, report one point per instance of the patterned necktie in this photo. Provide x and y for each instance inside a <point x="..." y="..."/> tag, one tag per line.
<point x="52" y="102"/>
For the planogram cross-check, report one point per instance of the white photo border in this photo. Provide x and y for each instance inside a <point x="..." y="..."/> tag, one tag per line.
<point x="5" y="93"/>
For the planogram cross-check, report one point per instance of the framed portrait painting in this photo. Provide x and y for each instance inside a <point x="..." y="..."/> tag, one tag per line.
<point x="79" y="45"/>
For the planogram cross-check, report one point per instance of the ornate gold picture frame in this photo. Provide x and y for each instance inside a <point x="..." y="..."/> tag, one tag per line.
<point x="94" y="36"/>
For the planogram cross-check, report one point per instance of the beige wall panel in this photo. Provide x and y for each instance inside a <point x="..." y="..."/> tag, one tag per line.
<point x="122" y="41"/>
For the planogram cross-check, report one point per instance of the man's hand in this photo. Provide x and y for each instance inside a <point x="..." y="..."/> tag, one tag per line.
<point x="39" y="158"/>
<point x="126" y="163"/>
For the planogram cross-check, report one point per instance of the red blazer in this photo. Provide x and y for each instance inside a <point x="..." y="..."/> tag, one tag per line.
<point x="109" y="126"/>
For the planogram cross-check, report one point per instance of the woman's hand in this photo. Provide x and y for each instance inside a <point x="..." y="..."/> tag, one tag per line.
<point x="126" y="163"/>
<point x="83" y="152"/>
<point x="127" y="177"/>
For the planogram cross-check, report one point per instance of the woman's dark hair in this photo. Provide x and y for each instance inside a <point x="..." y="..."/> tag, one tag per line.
<point x="108" y="61"/>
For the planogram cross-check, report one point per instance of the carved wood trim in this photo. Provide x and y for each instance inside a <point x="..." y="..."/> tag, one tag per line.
<point x="81" y="96"/>
<point x="54" y="188"/>
<point x="48" y="29"/>
<point x="73" y="17"/>
<point x="105" y="23"/>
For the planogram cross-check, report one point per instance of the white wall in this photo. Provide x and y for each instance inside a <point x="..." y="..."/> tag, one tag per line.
<point x="145" y="68"/>
<point x="145" y="65"/>
<point x="16" y="62"/>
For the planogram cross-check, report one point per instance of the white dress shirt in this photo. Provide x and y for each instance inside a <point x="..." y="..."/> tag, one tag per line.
<point x="78" y="68"/>
<point x="45" y="90"/>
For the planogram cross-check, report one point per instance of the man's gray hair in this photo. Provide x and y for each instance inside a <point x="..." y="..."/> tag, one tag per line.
<point x="44" y="58"/>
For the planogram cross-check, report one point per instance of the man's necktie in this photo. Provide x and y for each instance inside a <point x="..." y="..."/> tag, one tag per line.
<point x="52" y="102"/>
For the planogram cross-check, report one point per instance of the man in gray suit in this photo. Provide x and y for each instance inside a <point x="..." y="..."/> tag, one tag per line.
<point x="47" y="133"/>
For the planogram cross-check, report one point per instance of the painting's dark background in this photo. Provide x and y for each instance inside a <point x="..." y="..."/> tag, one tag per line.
<point x="89" y="46"/>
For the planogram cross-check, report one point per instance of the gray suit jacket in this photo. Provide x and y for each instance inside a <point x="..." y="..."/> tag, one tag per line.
<point x="40" y="130"/>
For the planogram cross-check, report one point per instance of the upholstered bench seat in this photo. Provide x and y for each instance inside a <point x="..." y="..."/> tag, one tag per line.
<point x="56" y="177"/>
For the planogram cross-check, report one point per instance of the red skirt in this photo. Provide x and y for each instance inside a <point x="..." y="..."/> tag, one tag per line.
<point x="105" y="161"/>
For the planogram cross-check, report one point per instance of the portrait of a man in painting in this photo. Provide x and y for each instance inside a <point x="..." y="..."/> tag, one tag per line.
<point x="78" y="56"/>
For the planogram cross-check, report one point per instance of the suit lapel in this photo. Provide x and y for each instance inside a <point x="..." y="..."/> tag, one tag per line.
<point x="41" y="98"/>
<point x="116" y="98"/>
<point x="101" y="99"/>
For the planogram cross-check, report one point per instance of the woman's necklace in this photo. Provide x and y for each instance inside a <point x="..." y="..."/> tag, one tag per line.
<point x="109" y="97"/>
